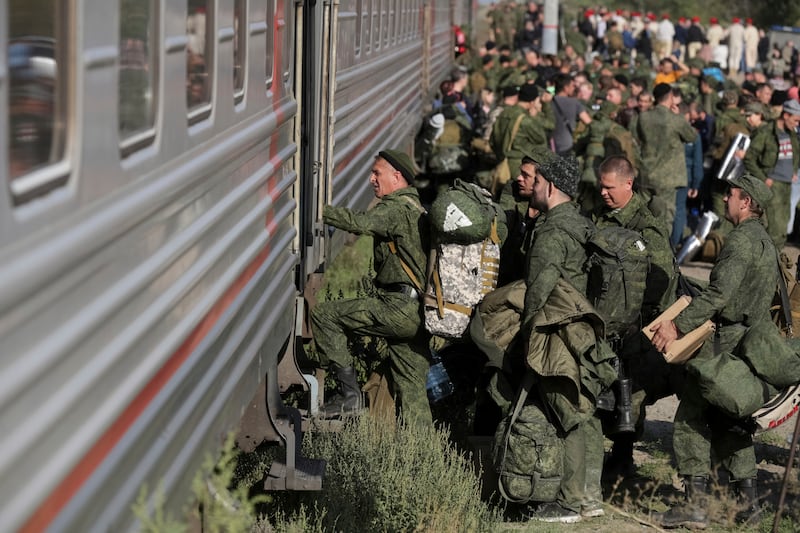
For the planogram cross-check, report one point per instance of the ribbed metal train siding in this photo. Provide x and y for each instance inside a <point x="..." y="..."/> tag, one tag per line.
<point x="136" y="324"/>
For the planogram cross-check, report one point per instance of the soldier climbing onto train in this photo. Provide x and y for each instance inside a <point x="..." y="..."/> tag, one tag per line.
<point x="398" y="224"/>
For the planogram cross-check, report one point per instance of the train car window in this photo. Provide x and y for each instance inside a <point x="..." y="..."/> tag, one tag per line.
<point x="239" y="40"/>
<point x="359" y="12"/>
<point x="365" y="26"/>
<point x="199" y="55"/>
<point x="137" y="74"/>
<point x="37" y="95"/>
<point x="386" y="13"/>
<point x="269" y="64"/>
<point x="376" y="24"/>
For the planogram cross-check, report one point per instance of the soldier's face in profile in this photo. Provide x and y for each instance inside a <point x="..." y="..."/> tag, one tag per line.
<point x="527" y="175"/>
<point x="734" y="204"/>
<point x="383" y="178"/>
<point x="615" y="191"/>
<point x="541" y="188"/>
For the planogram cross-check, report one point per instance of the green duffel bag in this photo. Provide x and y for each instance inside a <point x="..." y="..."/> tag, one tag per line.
<point x="528" y="453"/>
<point x="729" y="384"/>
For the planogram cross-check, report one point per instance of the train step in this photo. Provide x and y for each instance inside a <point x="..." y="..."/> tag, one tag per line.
<point x="307" y="475"/>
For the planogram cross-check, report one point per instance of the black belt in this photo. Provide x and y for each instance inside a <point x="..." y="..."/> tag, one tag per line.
<point x="401" y="288"/>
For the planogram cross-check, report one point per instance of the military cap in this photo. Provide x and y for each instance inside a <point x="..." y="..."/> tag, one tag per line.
<point x="730" y="97"/>
<point x="711" y="81"/>
<point x="538" y="155"/>
<point x="528" y="93"/>
<point x="753" y="186"/>
<point x="510" y="90"/>
<point x="488" y="58"/>
<point x="754" y="108"/>
<point x="696" y="62"/>
<point x="401" y="162"/>
<point x="792" y="107"/>
<point x="564" y="173"/>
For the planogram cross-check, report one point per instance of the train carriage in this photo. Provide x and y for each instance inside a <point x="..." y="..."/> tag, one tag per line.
<point x="165" y="166"/>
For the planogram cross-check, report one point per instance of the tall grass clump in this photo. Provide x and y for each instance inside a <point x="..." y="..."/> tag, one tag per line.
<point x="383" y="478"/>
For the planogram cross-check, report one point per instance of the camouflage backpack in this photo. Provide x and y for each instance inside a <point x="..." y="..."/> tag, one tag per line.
<point x="467" y="229"/>
<point x="618" y="265"/>
<point x="527" y="451"/>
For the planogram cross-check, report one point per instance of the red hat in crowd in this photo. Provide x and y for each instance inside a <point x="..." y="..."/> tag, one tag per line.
<point x="736" y="20"/>
<point x="695" y="19"/>
<point x="635" y="14"/>
<point x="589" y="12"/>
<point x="749" y="21"/>
<point x="665" y="16"/>
<point x="682" y="20"/>
<point x="713" y="20"/>
<point x="619" y="12"/>
<point x="651" y="16"/>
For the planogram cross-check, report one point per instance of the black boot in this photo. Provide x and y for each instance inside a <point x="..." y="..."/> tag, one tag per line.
<point x="747" y="499"/>
<point x="623" y="411"/>
<point x="690" y="514"/>
<point x="349" y="399"/>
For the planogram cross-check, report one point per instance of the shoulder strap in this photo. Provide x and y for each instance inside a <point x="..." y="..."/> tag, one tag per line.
<point x="393" y="246"/>
<point x="515" y="130"/>
<point x="562" y="115"/>
<point x="522" y="395"/>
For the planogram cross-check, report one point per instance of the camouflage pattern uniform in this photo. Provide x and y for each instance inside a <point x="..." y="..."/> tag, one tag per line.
<point x="391" y="314"/>
<point x="760" y="159"/>
<point x="558" y="250"/>
<point x="730" y="123"/>
<point x="739" y="294"/>
<point x="530" y="137"/>
<point x="661" y="135"/>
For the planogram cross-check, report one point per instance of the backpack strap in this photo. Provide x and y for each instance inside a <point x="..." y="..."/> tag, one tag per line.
<point x="393" y="246"/>
<point x="515" y="130"/>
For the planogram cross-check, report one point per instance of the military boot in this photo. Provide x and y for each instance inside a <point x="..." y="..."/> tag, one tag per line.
<point x="620" y="462"/>
<point x="349" y="399"/>
<point x="747" y="499"/>
<point x="691" y="513"/>
<point x="623" y="410"/>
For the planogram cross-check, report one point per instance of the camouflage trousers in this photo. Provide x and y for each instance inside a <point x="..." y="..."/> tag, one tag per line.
<point x="699" y="427"/>
<point x="396" y="318"/>
<point x="583" y="444"/>
<point x="777" y="210"/>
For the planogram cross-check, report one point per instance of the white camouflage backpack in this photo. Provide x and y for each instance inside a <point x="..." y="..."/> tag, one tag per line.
<point x="464" y="263"/>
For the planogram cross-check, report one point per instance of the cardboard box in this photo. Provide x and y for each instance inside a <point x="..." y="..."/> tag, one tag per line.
<point x="685" y="347"/>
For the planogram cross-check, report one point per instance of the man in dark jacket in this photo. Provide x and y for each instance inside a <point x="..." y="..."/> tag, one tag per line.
<point x="398" y="227"/>
<point x="739" y="294"/>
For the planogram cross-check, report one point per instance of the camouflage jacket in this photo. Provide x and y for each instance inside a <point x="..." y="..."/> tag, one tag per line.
<point x="742" y="282"/>
<point x="399" y="218"/>
<point x="531" y="134"/>
<point x="762" y="155"/>
<point x="662" y="280"/>
<point x="661" y="135"/>
<point x="725" y="133"/>
<point x="557" y="250"/>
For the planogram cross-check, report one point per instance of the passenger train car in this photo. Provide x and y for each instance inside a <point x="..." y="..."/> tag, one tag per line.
<point x="165" y="164"/>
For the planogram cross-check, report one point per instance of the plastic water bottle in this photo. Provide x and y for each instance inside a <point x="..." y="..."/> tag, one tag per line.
<point x="438" y="383"/>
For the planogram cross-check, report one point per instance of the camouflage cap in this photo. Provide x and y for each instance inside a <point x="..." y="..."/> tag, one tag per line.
<point x="755" y="108"/>
<point x="711" y="81"/>
<point x="753" y="186"/>
<point x="538" y="155"/>
<point x="401" y="162"/>
<point x="564" y="173"/>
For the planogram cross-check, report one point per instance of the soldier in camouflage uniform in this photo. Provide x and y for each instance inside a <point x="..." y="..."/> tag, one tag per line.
<point x="558" y="250"/>
<point x="652" y="377"/>
<point x="398" y="227"/>
<point x="739" y="294"/>
<point x="661" y="135"/>
<point x="773" y="156"/>
<point x="530" y="135"/>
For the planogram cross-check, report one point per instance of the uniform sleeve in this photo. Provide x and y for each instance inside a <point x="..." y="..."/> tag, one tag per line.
<point x="753" y="154"/>
<point x="687" y="132"/>
<point x="377" y="222"/>
<point x="543" y="272"/>
<point x="696" y="179"/>
<point x="724" y="283"/>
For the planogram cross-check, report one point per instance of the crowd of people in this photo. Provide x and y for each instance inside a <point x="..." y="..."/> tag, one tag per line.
<point x="633" y="125"/>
